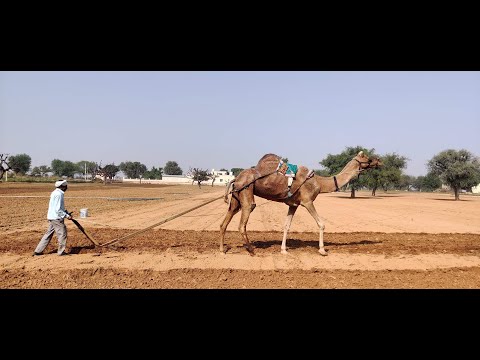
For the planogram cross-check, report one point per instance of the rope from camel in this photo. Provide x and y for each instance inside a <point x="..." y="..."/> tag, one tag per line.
<point x="303" y="182"/>
<point x="108" y="243"/>
<point x="276" y="171"/>
<point x="251" y="182"/>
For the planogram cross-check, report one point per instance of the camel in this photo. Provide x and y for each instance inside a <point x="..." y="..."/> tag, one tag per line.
<point x="267" y="182"/>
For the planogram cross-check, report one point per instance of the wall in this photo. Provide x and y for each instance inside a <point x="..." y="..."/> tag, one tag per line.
<point x="221" y="180"/>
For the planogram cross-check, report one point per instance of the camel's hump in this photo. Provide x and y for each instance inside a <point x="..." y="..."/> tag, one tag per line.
<point x="267" y="163"/>
<point x="269" y="157"/>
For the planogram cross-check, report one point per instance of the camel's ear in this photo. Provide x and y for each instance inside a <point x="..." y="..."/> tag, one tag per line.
<point x="360" y="153"/>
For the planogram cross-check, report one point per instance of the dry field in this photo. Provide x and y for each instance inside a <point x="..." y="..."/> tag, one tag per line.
<point x="395" y="240"/>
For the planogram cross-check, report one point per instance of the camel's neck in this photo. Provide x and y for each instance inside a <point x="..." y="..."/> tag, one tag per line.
<point x="327" y="183"/>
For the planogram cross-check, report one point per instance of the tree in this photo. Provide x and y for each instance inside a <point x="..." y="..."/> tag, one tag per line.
<point x="70" y="168"/>
<point x="91" y="166"/>
<point x="391" y="171"/>
<point x="108" y="172"/>
<point x="418" y="182"/>
<point x="172" y="168"/>
<point x="94" y="171"/>
<point x="407" y="182"/>
<point x="64" y="168"/>
<point x="199" y="175"/>
<point x="20" y="163"/>
<point x="335" y="163"/>
<point x="236" y="171"/>
<point x="44" y="169"/>
<point x="57" y="167"/>
<point x="134" y="170"/>
<point x="373" y="180"/>
<point x="457" y="168"/>
<point x="35" y="171"/>
<point x="321" y="172"/>
<point x="4" y="166"/>
<point x="429" y="182"/>
<point x="154" y="173"/>
<point x="388" y="176"/>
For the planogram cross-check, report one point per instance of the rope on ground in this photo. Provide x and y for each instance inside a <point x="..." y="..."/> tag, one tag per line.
<point x="159" y="223"/>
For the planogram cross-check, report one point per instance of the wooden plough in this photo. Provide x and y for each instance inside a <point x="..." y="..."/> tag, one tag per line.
<point x="96" y="243"/>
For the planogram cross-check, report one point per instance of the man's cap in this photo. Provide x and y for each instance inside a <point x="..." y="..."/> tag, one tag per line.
<point x="60" y="183"/>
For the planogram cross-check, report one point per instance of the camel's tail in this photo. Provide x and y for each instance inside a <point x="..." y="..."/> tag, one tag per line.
<point x="227" y="198"/>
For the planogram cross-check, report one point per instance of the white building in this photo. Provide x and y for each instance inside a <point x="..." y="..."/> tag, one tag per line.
<point x="221" y="178"/>
<point x="476" y="189"/>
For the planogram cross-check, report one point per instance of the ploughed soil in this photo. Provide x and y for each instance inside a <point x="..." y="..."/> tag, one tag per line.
<point x="395" y="240"/>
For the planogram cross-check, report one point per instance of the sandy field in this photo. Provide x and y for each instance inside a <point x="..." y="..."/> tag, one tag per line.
<point x="395" y="240"/>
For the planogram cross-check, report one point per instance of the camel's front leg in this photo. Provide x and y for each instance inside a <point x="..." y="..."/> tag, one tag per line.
<point x="288" y="222"/>
<point x="311" y="209"/>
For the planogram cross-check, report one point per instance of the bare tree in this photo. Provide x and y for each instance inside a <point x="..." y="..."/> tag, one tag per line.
<point x="199" y="175"/>
<point x="213" y="177"/>
<point x="94" y="170"/>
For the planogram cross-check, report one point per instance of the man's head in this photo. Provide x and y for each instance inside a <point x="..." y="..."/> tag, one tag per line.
<point x="61" y="184"/>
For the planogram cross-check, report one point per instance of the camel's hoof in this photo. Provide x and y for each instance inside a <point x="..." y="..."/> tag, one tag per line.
<point x="250" y="250"/>
<point x="284" y="252"/>
<point x="322" y="252"/>
<point x="225" y="249"/>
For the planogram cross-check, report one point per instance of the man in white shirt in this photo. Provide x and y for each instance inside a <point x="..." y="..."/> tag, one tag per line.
<point x="56" y="216"/>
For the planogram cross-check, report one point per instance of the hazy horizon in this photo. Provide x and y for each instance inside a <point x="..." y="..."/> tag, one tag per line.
<point x="230" y="119"/>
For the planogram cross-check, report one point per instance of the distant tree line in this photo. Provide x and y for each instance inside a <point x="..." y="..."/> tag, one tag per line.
<point x="21" y="165"/>
<point x="459" y="169"/>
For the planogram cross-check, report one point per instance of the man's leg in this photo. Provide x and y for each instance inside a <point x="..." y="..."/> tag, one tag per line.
<point x="61" y="231"/>
<point x="46" y="238"/>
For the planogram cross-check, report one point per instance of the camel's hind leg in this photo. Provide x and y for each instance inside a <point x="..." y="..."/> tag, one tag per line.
<point x="311" y="209"/>
<point x="233" y="208"/>
<point x="247" y="203"/>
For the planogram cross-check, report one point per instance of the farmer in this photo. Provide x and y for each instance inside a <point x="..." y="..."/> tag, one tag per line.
<point x="56" y="216"/>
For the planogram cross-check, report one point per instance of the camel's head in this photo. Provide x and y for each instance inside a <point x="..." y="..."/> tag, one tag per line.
<point x="365" y="162"/>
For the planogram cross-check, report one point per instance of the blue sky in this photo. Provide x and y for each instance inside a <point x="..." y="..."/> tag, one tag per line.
<point x="226" y="119"/>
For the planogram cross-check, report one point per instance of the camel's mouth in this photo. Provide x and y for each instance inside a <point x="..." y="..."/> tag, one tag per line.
<point x="375" y="163"/>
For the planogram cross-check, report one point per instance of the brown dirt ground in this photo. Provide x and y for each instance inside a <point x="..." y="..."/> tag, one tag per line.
<point x="395" y="240"/>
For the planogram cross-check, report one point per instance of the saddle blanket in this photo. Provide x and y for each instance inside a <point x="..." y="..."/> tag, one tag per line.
<point x="287" y="169"/>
